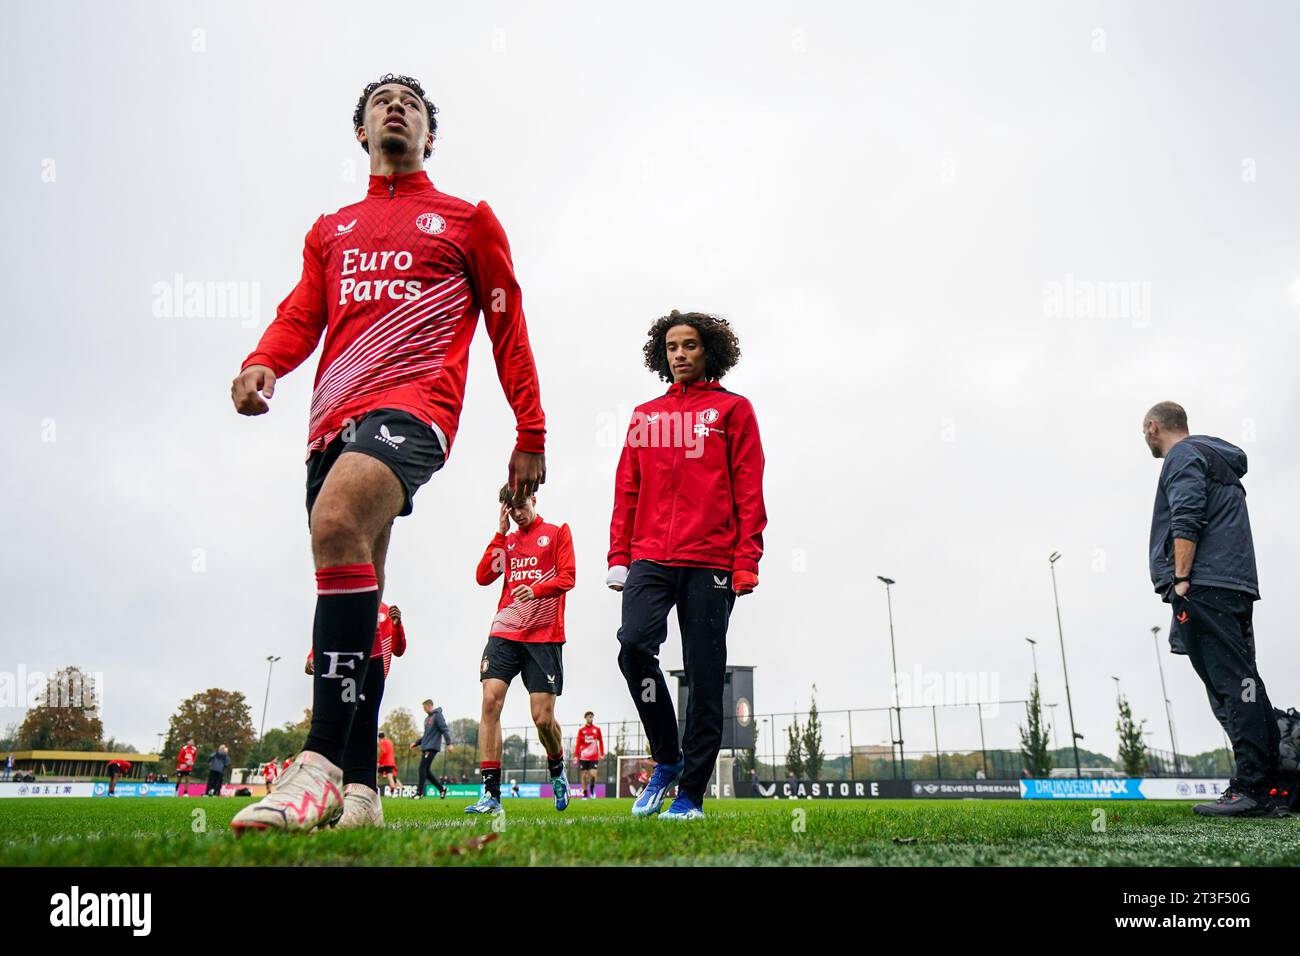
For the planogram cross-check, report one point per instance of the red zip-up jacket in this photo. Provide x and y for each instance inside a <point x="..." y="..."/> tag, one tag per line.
<point x="689" y="486"/>
<point x="540" y="556"/>
<point x="389" y="642"/>
<point x="396" y="283"/>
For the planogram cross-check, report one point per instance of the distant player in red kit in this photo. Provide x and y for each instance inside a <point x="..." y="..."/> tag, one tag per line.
<point x="361" y="804"/>
<point x="387" y="762"/>
<point x="185" y="765"/>
<point x="394" y="284"/>
<point x="589" y="747"/>
<point x="527" y="638"/>
<point x="687" y="530"/>
<point x="271" y="773"/>
<point x="116" y="768"/>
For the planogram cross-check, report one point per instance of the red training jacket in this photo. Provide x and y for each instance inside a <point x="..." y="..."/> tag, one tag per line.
<point x="588" y="743"/>
<point x="390" y="640"/>
<point x="396" y="283"/>
<point x="540" y="556"/>
<point x="689" y="486"/>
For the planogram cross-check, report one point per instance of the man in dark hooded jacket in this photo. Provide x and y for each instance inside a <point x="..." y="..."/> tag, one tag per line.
<point x="1203" y="564"/>
<point x="435" y="732"/>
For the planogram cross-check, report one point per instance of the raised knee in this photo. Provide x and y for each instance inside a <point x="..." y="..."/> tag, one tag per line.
<point x="334" y="532"/>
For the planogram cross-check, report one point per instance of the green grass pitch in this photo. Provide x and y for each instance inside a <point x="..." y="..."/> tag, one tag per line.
<point x="169" y="832"/>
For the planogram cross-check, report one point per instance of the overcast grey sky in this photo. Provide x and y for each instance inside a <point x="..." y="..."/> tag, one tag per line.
<point x="904" y="209"/>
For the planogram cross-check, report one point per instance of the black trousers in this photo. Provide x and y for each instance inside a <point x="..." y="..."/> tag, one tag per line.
<point x="704" y="598"/>
<point x="1215" y="626"/>
<point x="426" y="772"/>
<point x="214" y="783"/>
<point x="361" y="749"/>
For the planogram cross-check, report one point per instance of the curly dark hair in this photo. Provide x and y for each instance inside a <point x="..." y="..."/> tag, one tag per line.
<point x="411" y="83"/>
<point x="721" y="347"/>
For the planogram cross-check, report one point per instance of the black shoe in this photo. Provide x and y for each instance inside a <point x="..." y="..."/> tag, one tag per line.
<point x="1235" y="802"/>
<point x="442" y="794"/>
<point x="1280" y="798"/>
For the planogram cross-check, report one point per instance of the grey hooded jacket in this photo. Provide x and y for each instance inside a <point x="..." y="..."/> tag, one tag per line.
<point x="1200" y="498"/>
<point x="435" y="731"/>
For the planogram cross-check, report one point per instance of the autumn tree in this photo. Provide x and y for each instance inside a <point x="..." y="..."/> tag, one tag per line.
<point x="213" y="717"/>
<point x="66" y="716"/>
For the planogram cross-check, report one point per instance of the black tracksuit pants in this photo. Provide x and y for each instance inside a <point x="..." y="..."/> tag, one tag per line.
<point x="704" y="598"/>
<point x="1215" y="626"/>
<point x="427" y="758"/>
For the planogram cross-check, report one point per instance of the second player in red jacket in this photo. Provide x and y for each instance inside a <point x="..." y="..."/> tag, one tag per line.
<point x="526" y="637"/>
<point x="687" y="531"/>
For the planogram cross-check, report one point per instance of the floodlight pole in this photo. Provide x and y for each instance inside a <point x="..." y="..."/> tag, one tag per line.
<point x="271" y="659"/>
<point x="1169" y="713"/>
<point x="893" y="655"/>
<point x="1074" y="737"/>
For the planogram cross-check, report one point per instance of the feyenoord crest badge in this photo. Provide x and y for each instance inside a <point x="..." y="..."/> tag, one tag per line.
<point x="431" y="223"/>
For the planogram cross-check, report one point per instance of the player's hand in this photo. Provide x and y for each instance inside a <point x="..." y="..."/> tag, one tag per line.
<point x="395" y="614"/>
<point x="251" y="389"/>
<point x="504" y="519"/>
<point x="1182" y="587"/>
<point x="527" y="473"/>
<point x="616" y="578"/>
<point x="310" y="669"/>
<point x="413" y="746"/>
<point x="523" y="593"/>
<point x="744" y="582"/>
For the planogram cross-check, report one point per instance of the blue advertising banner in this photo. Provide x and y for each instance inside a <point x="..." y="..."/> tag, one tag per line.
<point x="129" y="789"/>
<point x="1087" y="788"/>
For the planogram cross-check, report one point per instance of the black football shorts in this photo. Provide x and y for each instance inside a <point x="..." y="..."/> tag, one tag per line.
<point x="541" y="665"/>
<point x="408" y="446"/>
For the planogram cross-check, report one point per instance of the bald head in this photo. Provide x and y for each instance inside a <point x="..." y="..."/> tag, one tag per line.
<point x="1164" y="426"/>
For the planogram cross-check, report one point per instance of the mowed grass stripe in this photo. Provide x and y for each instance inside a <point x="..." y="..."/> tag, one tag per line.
<point x="161" y="832"/>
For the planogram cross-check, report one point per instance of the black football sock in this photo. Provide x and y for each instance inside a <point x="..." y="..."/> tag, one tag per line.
<point x="361" y="750"/>
<point x="555" y="764"/>
<point x="347" y="606"/>
<point x="492" y="778"/>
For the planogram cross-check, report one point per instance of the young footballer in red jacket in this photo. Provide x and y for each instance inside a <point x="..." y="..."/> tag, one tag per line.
<point x="588" y="748"/>
<point x="271" y="773"/>
<point x="185" y="765"/>
<point x="527" y="638"/>
<point x="392" y="288"/>
<point x="687" y="531"/>
<point x="361" y="804"/>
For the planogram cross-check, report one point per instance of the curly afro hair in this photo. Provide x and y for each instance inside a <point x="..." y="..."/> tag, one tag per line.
<point x="721" y="347"/>
<point x="411" y="83"/>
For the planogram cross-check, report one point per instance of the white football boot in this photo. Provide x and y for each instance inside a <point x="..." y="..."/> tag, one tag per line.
<point x="362" y="807"/>
<point x="307" y="795"/>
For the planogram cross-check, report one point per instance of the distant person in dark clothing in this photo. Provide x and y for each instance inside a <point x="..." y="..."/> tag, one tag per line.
<point x="217" y="771"/>
<point x="436" y="732"/>
<point x="1202" y="561"/>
